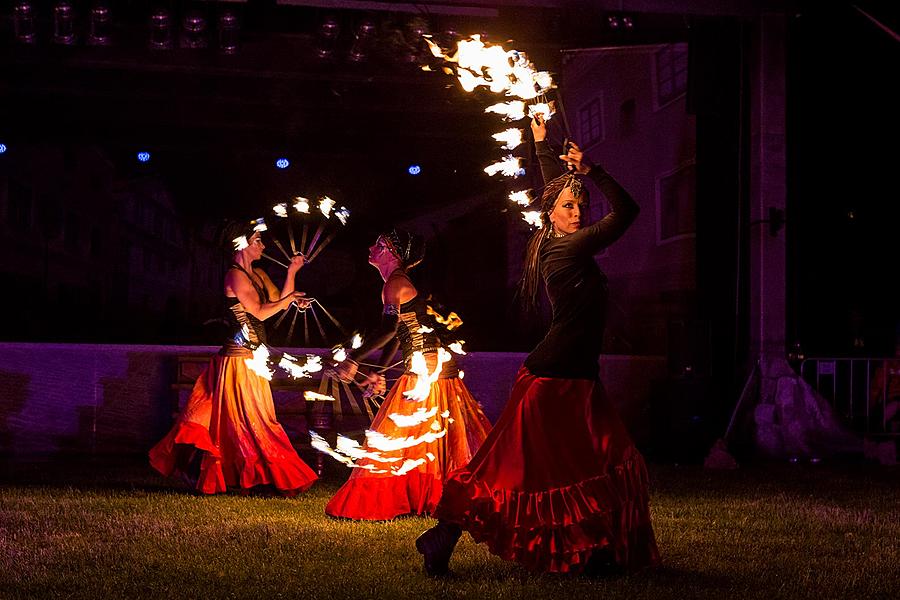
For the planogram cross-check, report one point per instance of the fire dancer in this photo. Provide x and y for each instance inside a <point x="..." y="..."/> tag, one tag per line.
<point x="227" y="435"/>
<point x="558" y="485"/>
<point x="429" y="424"/>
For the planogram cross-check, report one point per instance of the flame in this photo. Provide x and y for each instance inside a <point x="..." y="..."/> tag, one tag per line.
<point x="259" y="225"/>
<point x="541" y="108"/>
<point x="462" y="374"/>
<point x="313" y="364"/>
<point x="302" y="204"/>
<point x="511" y="138"/>
<point x="514" y="110"/>
<point x="424" y="379"/>
<point x="510" y="167"/>
<point x="325" y="205"/>
<point x="424" y="329"/>
<point x="339" y="354"/>
<point x="280" y="209"/>
<point x="350" y="447"/>
<point x="321" y="444"/>
<point x="417" y="418"/>
<point x="315" y="396"/>
<point x="240" y="243"/>
<point x="357" y="341"/>
<point x="342" y="215"/>
<point x="532" y="217"/>
<point x="408" y="465"/>
<point x="522" y="198"/>
<point x="259" y="364"/>
<point x="452" y="321"/>
<point x="379" y="441"/>
<point x="457" y="347"/>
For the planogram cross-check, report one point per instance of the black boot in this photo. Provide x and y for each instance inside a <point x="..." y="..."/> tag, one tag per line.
<point x="436" y="546"/>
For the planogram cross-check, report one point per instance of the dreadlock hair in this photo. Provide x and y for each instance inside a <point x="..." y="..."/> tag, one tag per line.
<point x="531" y="272"/>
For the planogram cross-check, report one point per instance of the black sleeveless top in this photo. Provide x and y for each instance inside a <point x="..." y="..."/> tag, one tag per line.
<point x="237" y="317"/>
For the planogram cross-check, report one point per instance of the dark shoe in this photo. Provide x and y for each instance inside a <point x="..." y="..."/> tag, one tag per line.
<point x="602" y="563"/>
<point x="436" y="546"/>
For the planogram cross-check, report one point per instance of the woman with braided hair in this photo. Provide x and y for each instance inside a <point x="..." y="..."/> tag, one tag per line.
<point x="429" y="424"/>
<point x="558" y="485"/>
<point x="227" y="435"/>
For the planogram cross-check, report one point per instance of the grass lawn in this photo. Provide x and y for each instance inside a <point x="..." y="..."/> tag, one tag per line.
<point x="767" y="531"/>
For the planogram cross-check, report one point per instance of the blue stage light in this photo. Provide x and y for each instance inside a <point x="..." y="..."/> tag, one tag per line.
<point x="2" y="148"/>
<point x="143" y="156"/>
<point x="282" y="163"/>
<point x="414" y="169"/>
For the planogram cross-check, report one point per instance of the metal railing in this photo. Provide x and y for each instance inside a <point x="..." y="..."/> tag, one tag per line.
<point x="865" y="392"/>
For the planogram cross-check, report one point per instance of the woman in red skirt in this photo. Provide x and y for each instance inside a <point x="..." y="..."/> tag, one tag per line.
<point x="558" y="485"/>
<point x="227" y="435"/>
<point x="429" y="424"/>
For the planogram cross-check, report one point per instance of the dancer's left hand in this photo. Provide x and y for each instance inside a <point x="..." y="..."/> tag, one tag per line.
<point x="375" y="384"/>
<point x="576" y="159"/>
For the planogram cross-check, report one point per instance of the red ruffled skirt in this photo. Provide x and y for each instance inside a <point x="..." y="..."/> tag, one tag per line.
<point x="378" y="496"/>
<point x="230" y="418"/>
<point x="557" y="479"/>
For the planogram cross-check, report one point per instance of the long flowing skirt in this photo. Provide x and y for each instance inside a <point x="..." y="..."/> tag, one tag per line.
<point x="416" y="444"/>
<point x="557" y="479"/>
<point x="230" y="419"/>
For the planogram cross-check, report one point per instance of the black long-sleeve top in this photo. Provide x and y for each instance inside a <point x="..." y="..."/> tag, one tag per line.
<point x="576" y="286"/>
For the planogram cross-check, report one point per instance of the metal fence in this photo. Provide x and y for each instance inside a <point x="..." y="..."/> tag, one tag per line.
<point x="865" y="392"/>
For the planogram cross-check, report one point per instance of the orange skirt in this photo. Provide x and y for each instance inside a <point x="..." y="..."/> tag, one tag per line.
<point x="378" y="496"/>
<point x="557" y="479"/>
<point x="230" y="418"/>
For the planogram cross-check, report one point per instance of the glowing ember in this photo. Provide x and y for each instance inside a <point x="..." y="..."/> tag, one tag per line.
<point x="240" y="243"/>
<point x="514" y="110"/>
<point x="356" y="342"/>
<point x="418" y="417"/>
<point x="509" y="167"/>
<point x="511" y="138"/>
<point x="259" y="364"/>
<point x="532" y="217"/>
<point x="316" y="397"/>
<point x="301" y="204"/>
<point x="280" y="209"/>
<point x="325" y="205"/>
<point x="342" y="215"/>
<point x="522" y="198"/>
<point x="457" y="347"/>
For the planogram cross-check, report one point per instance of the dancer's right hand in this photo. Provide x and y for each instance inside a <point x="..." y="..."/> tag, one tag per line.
<point x="538" y="127"/>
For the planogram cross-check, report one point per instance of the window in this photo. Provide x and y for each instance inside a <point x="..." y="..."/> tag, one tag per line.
<point x="675" y="204"/>
<point x="590" y="122"/>
<point x="671" y="73"/>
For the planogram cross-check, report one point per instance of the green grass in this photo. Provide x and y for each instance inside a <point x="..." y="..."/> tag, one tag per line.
<point x="773" y="531"/>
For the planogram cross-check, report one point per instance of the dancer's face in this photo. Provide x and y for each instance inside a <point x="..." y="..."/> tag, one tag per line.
<point x="380" y="253"/>
<point x="255" y="246"/>
<point x="567" y="212"/>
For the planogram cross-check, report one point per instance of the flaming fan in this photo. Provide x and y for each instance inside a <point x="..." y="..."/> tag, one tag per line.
<point x="382" y="453"/>
<point x="509" y="72"/>
<point x="305" y="227"/>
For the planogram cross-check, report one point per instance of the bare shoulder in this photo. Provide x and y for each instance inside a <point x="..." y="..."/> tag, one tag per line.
<point x="398" y="289"/>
